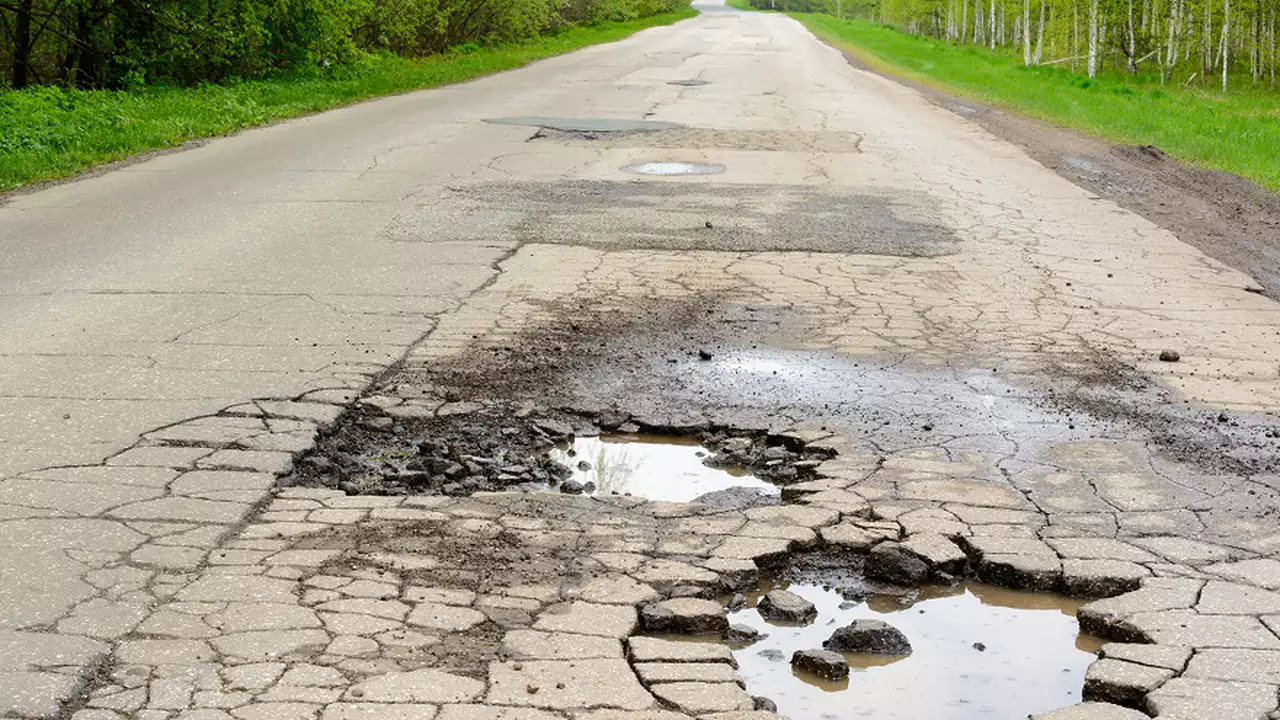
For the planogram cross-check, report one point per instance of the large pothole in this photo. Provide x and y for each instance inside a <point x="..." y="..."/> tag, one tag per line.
<point x="473" y="448"/>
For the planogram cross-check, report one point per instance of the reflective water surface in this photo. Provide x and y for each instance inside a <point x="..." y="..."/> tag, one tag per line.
<point x="657" y="467"/>
<point x="1032" y="657"/>
<point x="675" y="168"/>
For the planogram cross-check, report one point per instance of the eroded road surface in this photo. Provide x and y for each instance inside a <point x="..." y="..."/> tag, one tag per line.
<point x="257" y="396"/>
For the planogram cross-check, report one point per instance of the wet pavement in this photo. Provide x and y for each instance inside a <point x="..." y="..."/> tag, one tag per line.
<point x="946" y="357"/>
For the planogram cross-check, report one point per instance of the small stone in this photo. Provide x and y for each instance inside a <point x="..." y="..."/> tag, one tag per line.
<point x="874" y="637"/>
<point x="743" y="634"/>
<point x="571" y="487"/>
<point x="787" y="607"/>
<point x="532" y="689"/>
<point x="980" y="647"/>
<point x="703" y="354"/>
<point x="772" y="655"/>
<point x="1169" y="356"/>
<point x="764" y="704"/>
<point x="823" y="663"/>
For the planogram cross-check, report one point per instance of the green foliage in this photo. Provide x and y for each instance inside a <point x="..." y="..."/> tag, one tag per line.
<point x="131" y="43"/>
<point x="1237" y="133"/>
<point x="50" y="132"/>
<point x="1210" y="43"/>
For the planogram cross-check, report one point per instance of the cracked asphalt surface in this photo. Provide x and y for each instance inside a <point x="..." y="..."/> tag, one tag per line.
<point x="975" y="337"/>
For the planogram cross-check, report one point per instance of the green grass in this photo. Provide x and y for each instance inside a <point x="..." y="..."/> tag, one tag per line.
<point x="1238" y="132"/>
<point x="50" y="133"/>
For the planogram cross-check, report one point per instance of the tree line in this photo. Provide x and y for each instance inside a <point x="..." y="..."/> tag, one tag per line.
<point x="128" y="43"/>
<point x="1223" y="42"/>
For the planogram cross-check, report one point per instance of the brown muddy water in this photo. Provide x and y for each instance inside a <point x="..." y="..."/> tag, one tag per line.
<point x="656" y="467"/>
<point x="1033" y="657"/>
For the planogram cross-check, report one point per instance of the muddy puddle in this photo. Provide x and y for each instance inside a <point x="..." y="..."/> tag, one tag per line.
<point x="655" y="467"/>
<point x="978" y="652"/>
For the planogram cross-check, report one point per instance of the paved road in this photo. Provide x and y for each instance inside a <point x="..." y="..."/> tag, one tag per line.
<point x="176" y="329"/>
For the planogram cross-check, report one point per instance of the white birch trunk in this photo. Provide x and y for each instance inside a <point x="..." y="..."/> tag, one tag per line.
<point x="1026" y="32"/>
<point x="1093" y="39"/>
<point x="1226" y="43"/>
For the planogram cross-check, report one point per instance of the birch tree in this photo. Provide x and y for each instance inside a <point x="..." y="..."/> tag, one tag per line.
<point x="1221" y="44"/>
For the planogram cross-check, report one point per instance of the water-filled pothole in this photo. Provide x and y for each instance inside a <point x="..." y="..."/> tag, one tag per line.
<point x="675" y="168"/>
<point x="656" y="467"/>
<point x="978" y="652"/>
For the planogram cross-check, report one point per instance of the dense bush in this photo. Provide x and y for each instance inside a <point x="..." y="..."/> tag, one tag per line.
<point x="124" y="43"/>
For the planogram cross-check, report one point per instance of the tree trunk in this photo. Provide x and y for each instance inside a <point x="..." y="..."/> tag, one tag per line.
<point x="1133" y="43"/>
<point x="22" y="44"/>
<point x="991" y="26"/>
<point x="1026" y="32"/>
<point x="1226" y="44"/>
<point x="1093" y="39"/>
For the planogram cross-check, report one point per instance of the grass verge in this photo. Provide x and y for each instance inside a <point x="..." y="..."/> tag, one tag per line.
<point x="1238" y="132"/>
<point x="51" y="133"/>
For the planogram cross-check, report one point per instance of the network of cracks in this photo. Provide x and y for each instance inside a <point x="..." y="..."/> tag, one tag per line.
<point x="707" y="531"/>
<point x="1014" y="548"/>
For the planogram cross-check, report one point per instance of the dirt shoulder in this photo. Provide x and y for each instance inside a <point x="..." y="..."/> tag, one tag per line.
<point x="1224" y="216"/>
